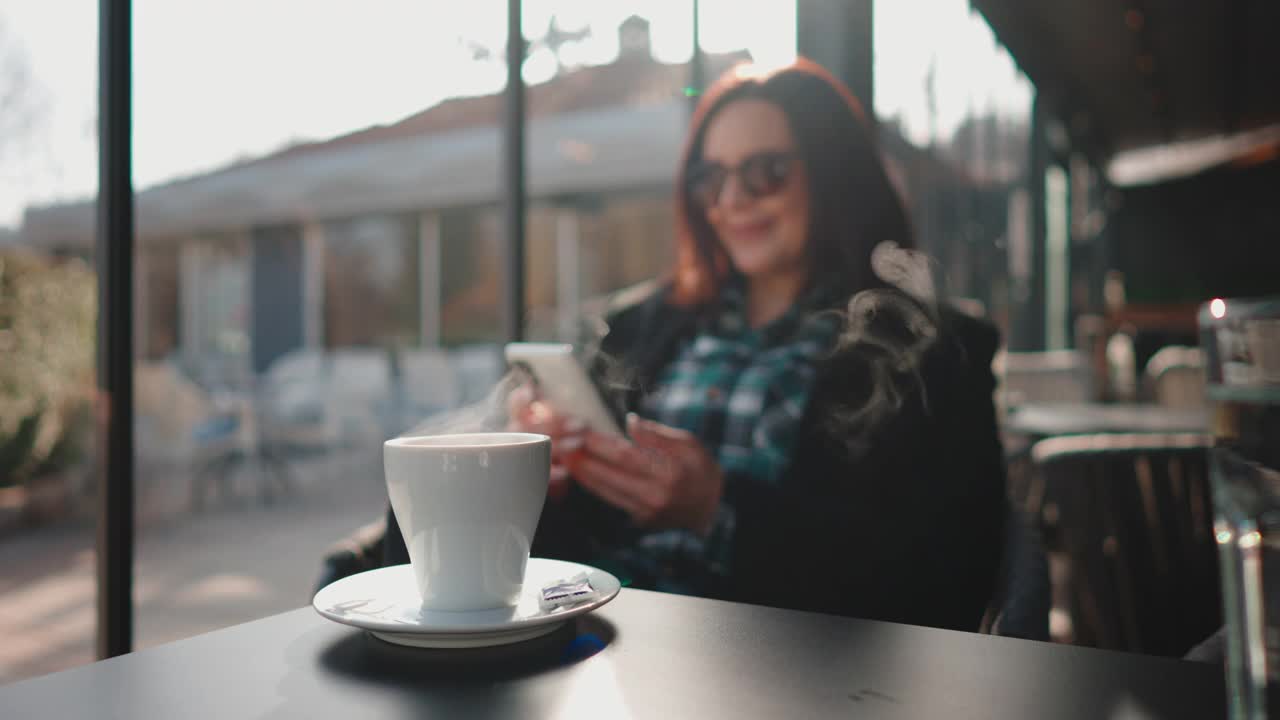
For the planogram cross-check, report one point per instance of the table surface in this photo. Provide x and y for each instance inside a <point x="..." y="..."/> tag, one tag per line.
<point x="1051" y="419"/>
<point x="645" y="655"/>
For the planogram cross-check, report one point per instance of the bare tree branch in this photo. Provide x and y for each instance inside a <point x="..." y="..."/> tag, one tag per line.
<point x="23" y="103"/>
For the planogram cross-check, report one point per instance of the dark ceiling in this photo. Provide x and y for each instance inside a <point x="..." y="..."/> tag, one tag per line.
<point x="1126" y="74"/>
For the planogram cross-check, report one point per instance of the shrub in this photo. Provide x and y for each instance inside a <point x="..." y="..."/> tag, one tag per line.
<point x="48" y="309"/>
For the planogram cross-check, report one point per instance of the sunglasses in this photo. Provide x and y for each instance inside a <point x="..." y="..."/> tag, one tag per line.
<point x="760" y="175"/>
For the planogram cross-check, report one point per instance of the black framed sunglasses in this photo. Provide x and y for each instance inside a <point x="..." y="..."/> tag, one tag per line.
<point x="761" y="175"/>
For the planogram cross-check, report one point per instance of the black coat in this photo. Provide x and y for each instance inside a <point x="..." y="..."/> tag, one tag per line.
<point x="907" y="526"/>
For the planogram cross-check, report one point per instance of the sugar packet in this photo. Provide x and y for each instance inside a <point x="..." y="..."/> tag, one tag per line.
<point x="566" y="591"/>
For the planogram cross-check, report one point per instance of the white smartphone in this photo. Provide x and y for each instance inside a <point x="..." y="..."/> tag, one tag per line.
<point x="564" y="383"/>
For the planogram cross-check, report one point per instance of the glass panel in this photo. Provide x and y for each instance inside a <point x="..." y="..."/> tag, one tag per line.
<point x="320" y="268"/>
<point x="371" y="282"/>
<point x="318" y="239"/>
<point x="210" y="312"/>
<point x="48" y="307"/>
<point x="550" y="235"/>
<point x="470" y="254"/>
<point x="629" y="240"/>
<point x="609" y="109"/>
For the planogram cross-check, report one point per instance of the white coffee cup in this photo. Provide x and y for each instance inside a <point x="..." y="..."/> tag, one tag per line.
<point x="468" y="506"/>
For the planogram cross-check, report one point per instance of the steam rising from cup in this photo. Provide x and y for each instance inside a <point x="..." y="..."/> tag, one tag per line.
<point x="887" y="333"/>
<point x="487" y="415"/>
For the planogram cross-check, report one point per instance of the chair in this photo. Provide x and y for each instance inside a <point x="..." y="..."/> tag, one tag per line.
<point x="183" y="429"/>
<point x="1134" y="521"/>
<point x="297" y="365"/>
<point x="292" y="408"/>
<point x="1174" y="377"/>
<point x="358" y="396"/>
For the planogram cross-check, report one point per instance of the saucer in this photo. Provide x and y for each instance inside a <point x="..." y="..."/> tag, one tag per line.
<point x="386" y="603"/>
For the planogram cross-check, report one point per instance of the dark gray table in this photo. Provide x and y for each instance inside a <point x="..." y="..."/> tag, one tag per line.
<point x="1041" y="420"/>
<point x="659" y="656"/>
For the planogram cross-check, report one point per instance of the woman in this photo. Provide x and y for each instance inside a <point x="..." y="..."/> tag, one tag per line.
<point x="779" y="451"/>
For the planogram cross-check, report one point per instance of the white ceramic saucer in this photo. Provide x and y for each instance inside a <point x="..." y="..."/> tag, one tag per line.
<point x="385" y="602"/>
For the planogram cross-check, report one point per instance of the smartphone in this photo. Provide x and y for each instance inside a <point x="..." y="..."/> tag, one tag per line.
<point x="564" y="383"/>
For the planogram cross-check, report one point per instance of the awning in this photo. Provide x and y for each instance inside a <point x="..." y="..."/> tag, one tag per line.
<point x="1125" y="75"/>
<point x="591" y="151"/>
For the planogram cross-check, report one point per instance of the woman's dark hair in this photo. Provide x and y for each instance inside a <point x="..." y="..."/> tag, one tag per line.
<point x="853" y="206"/>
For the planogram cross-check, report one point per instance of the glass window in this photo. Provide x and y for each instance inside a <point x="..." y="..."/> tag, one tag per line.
<point x="470" y="255"/>
<point x="609" y="107"/>
<point x="333" y="221"/>
<point x="371" y="282"/>
<point x="550" y="234"/>
<point x="214" y="302"/>
<point x="628" y="240"/>
<point x="157" y="294"/>
<point x="319" y="259"/>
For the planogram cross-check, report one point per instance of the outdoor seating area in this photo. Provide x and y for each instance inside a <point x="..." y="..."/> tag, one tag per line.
<point x="1119" y="495"/>
<point x="335" y="405"/>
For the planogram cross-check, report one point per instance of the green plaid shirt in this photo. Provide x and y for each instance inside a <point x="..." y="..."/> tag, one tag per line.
<point x="742" y="391"/>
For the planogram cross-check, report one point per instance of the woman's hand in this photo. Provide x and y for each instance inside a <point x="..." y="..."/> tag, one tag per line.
<point x="526" y="412"/>
<point x="663" y="477"/>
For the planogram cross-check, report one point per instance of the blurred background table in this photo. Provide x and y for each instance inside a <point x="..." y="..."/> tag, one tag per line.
<point x="1041" y="420"/>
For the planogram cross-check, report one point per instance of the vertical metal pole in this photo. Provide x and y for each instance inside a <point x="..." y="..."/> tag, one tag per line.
<point x="513" y="169"/>
<point x="697" y="65"/>
<point x="313" y="281"/>
<point x="1029" y="314"/>
<point x="115" y="331"/>
<point x="838" y="35"/>
<point x="430" y="292"/>
<point x="568" y="273"/>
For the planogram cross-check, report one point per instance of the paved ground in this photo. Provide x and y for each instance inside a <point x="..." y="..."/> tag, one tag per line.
<point x="195" y="572"/>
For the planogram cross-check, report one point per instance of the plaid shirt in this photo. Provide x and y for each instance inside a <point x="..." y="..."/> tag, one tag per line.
<point x="742" y="392"/>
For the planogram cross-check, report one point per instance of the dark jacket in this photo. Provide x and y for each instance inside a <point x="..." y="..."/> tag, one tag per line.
<point x="905" y="525"/>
